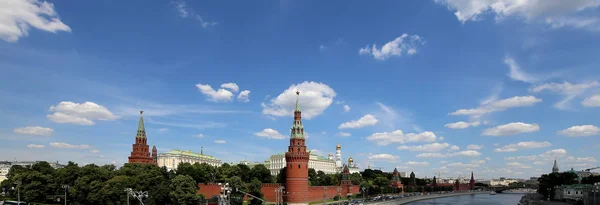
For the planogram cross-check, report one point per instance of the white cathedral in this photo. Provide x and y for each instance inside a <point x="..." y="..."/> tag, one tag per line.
<point x="329" y="165"/>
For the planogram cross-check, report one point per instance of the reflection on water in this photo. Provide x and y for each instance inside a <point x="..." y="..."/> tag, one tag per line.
<point x="499" y="199"/>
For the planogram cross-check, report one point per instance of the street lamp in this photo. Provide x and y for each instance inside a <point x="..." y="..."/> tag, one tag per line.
<point x="139" y="195"/>
<point x="18" y="183"/>
<point x="225" y="191"/>
<point x="548" y="189"/>
<point x="363" y="190"/>
<point x="279" y="194"/>
<point x="64" y="186"/>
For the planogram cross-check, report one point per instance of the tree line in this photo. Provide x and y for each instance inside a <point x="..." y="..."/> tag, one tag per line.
<point x="106" y="184"/>
<point x="547" y="182"/>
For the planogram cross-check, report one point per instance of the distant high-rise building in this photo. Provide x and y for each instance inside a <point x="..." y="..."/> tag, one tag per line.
<point x="141" y="151"/>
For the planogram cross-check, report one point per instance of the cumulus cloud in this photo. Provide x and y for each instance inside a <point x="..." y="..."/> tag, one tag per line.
<point x="462" y="125"/>
<point x="403" y="45"/>
<point x="79" y="113"/>
<point x="95" y="151"/>
<point x="516" y="73"/>
<point x="454" y="148"/>
<point x="220" y="141"/>
<point x="431" y="155"/>
<point x="314" y="99"/>
<point x="465" y="153"/>
<point x="385" y="138"/>
<point x="35" y="146"/>
<point x="522" y="158"/>
<point x="69" y="146"/>
<point x="555" y="13"/>
<point x="34" y="130"/>
<point x="593" y="101"/>
<point x="553" y="153"/>
<point x="270" y="134"/>
<point x="211" y="94"/>
<point x="199" y="136"/>
<point x="511" y="129"/>
<point x="383" y="157"/>
<point x="517" y="165"/>
<point x="185" y="12"/>
<point x="580" y="131"/>
<point x="568" y="90"/>
<point x="346" y="108"/>
<point x="367" y="120"/>
<point x="433" y="147"/>
<point x="231" y="86"/>
<point x="18" y="17"/>
<point x="244" y="96"/>
<point x="343" y="134"/>
<point x="474" y="146"/>
<point x="522" y="145"/>
<point x="499" y="105"/>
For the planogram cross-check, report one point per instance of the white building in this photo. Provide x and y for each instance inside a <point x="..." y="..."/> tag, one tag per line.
<point x="352" y="166"/>
<point x="502" y="182"/>
<point x="318" y="163"/>
<point x="172" y="159"/>
<point x="5" y="166"/>
<point x="404" y="174"/>
<point x="338" y="156"/>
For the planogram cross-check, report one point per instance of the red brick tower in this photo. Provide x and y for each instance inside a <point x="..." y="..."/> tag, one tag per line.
<point x="396" y="182"/>
<point x="472" y="182"/>
<point x="346" y="177"/>
<point x="297" y="162"/>
<point x="154" y="155"/>
<point x="141" y="151"/>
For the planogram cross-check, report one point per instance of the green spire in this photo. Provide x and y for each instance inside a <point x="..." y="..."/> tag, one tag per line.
<point x="141" y="132"/>
<point x="297" y="128"/>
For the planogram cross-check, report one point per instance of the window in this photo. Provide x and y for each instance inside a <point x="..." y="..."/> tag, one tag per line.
<point x="298" y="166"/>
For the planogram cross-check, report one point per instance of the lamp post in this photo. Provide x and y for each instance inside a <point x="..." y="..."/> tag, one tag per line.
<point x="548" y="189"/>
<point x="64" y="186"/>
<point x="18" y="183"/>
<point x="279" y="194"/>
<point x="363" y="190"/>
<point x="225" y="191"/>
<point x="139" y="195"/>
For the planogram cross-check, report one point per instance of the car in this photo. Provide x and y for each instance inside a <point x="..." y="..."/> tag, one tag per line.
<point x="14" y="203"/>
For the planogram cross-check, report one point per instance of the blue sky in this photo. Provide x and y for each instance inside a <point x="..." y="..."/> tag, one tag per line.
<point x="443" y="86"/>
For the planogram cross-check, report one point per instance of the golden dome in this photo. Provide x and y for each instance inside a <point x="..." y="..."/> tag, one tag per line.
<point x="350" y="159"/>
<point x="338" y="146"/>
<point x="330" y="154"/>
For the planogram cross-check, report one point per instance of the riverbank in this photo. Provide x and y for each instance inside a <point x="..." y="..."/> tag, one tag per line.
<point x="424" y="197"/>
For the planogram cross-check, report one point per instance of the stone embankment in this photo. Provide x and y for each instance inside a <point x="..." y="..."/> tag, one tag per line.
<point x="406" y="200"/>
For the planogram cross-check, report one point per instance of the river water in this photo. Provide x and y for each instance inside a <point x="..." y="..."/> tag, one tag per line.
<point x="475" y="199"/>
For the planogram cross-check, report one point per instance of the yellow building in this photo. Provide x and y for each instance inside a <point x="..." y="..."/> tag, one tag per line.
<point x="172" y="159"/>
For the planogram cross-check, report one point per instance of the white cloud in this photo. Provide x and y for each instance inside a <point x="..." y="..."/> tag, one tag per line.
<point x="499" y="105"/>
<point x="475" y="161"/>
<point x="522" y="158"/>
<point x="420" y="164"/>
<point x="431" y="155"/>
<point x="572" y="159"/>
<point x="466" y="153"/>
<point x="244" y="96"/>
<point x="568" y="90"/>
<point x="383" y="157"/>
<point x="556" y="13"/>
<point x="79" y="113"/>
<point x="385" y="138"/>
<point x="593" y="101"/>
<point x="231" y="86"/>
<point x="517" y="165"/>
<point x="522" y="145"/>
<point x="185" y="12"/>
<point x="34" y="130"/>
<point x="199" y="136"/>
<point x="69" y="146"/>
<point x="553" y="153"/>
<point x="220" y="141"/>
<point x="346" y="108"/>
<point x="95" y="151"/>
<point x="367" y="120"/>
<point x="322" y="47"/>
<point x="488" y="159"/>
<point x="516" y="73"/>
<point x="462" y="165"/>
<point x="462" y="125"/>
<point x="220" y="95"/>
<point x="343" y="134"/>
<point x="433" y="147"/>
<point x="163" y="129"/>
<point x="403" y="45"/>
<point x="270" y="134"/>
<point x="35" y="146"/>
<point x="454" y="148"/>
<point x="580" y="131"/>
<point x="539" y="163"/>
<point x="474" y="146"/>
<point x="17" y="17"/>
<point x="512" y="128"/>
<point x="314" y="99"/>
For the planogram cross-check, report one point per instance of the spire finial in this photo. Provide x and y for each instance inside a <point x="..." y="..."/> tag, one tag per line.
<point x="297" y="99"/>
<point x="141" y="112"/>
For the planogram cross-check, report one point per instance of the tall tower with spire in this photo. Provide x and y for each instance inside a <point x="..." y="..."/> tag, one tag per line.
<point x="555" y="167"/>
<point x="296" y="158"/>
<point x="338" y="156"/>
<point x="141" y="151"/>
<point x="472" y="182"/>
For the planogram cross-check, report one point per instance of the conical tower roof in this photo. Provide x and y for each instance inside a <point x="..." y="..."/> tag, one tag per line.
<point x="297" y="127"/>
<point x="141" y="132"/>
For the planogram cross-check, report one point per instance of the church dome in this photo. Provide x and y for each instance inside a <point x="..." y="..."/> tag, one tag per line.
<point x="350" y="160"/>
<point x="338" y="146"/>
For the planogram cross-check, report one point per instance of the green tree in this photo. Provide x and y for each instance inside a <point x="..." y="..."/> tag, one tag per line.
<point x="547" y="182"/>
<point x="381" y="182"/>
<point x="244" y="173"/>
<point x="254" y="188"/>
<point x="591" y="179"/>
<point x="261" y="173"/>
<point x="282" y="175"/>
<point x="183" y="191"/>
<point x="236" y="183"/>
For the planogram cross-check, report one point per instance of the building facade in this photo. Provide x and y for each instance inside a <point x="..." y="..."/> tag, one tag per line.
<point x="296" y="159"/>
<point x="316" y="162"/>
<point x="172" y="158"/>
<point x="5" y="166"/>
<point x="352" y="168"/>
<point x="141" y="151"/>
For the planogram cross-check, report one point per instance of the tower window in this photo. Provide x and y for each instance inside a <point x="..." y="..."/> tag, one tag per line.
<point x="298" y="166"/>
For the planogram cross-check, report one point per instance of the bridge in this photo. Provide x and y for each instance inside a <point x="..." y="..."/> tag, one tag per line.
<point x="501" y="189"/>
